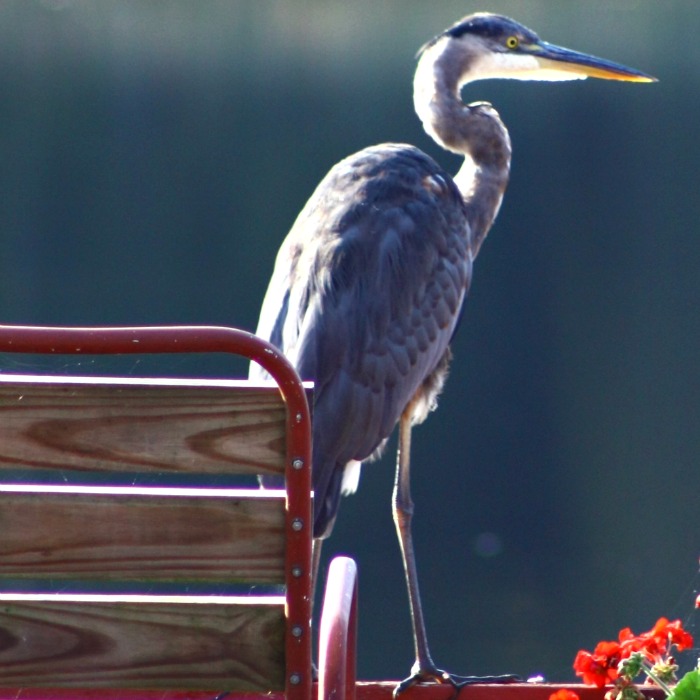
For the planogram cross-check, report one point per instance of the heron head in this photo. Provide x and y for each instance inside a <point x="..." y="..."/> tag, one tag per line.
<point x="494" y="46"/>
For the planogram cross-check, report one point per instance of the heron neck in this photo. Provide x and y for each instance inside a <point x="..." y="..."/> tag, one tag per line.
<point x="474" y="131"/>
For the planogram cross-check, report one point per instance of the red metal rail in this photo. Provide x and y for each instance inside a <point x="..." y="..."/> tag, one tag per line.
<point x="200" y="339"/>
<point x="508" y="691"/>
<point x="338" y="633"/>
<point x="364" y="691"/>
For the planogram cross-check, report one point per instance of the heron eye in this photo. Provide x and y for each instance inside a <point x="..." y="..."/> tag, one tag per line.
<point x="512" y="42"/>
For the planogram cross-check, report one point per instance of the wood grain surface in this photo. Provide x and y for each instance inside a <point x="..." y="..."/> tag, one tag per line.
<point x="145" y="645"/>
<point x="137" y="538"/>
<point x="161" y="427"/>
<point x="142" y="537"/>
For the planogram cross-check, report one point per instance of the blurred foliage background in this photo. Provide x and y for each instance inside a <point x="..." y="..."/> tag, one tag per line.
<point x="153" y="154"/>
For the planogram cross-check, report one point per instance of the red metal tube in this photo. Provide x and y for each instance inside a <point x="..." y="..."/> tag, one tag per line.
<point x="338" y="633"/>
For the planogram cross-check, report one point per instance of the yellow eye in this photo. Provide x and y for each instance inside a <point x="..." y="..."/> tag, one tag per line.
<point x="512" y="42"/>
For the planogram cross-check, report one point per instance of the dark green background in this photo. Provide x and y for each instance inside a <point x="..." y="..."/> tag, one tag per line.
<point x="153" y="155"/>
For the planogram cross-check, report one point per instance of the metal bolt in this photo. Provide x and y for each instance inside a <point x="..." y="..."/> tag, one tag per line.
<point x="298" y="417"/>
<point x="295" y="678"/>
<point x="297" y="524"/>
<point x="297" y="631"/>
<point x="297" y="571"/>
<point x="298" y="463"/>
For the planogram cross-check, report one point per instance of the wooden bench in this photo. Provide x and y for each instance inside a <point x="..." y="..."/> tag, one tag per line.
<point x="133" y="561"/>
<point x="116" y="584"/>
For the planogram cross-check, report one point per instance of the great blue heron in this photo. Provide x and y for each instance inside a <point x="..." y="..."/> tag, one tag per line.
<point x="368" y="285"/>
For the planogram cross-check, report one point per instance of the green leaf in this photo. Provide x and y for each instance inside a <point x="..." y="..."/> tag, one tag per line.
<point x="688" y="687"/>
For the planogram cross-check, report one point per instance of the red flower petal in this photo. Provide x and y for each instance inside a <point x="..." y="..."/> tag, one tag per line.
<point x="598" y="668"/>
<point x="564" y="694"/>
<point x="666" y="633"/>
<point x="609" y="649"/>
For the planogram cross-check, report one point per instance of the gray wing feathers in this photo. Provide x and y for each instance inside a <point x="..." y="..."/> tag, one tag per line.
<point x="365" y="297"/>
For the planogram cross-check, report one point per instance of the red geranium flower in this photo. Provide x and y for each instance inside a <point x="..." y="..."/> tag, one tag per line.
<point x="671" y="633"/>
<point x="629" y="642"/>
<point x="600" y="667"/>
<point x="564" y="694"/>
<point x="656" y="642"/>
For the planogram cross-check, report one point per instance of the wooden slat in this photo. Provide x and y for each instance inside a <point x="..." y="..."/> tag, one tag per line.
<point x="141" y="426"/>
<point x="143" y="537"/>
<point x="141" y="645"/>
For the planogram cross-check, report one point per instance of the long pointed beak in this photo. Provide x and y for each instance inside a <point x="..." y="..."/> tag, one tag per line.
<point x="557" y="58"/>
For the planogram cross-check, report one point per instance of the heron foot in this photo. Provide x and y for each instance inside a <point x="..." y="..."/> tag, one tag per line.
<point x="435" y="675"/>
<point x="422" y="675"/>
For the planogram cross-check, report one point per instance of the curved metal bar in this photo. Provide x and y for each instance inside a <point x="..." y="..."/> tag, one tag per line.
<point x="338" y="633"/>
<point x="199" y="339"/>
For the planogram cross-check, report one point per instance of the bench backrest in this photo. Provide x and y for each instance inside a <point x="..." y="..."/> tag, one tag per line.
<point x="130" y="557"/>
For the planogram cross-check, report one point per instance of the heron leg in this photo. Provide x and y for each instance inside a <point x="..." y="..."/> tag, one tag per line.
<point x="424" y="669"/>
<point x="402" y="505"/>
<point x="316" y="545"/>
<point x="315" y="565"/>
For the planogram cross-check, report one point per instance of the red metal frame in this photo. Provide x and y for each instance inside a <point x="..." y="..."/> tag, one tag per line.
<point x="200" y="339"/>
<point x="508" y="691"/>
<point x="375" y="690"/>
<point x="338" y="632"/>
